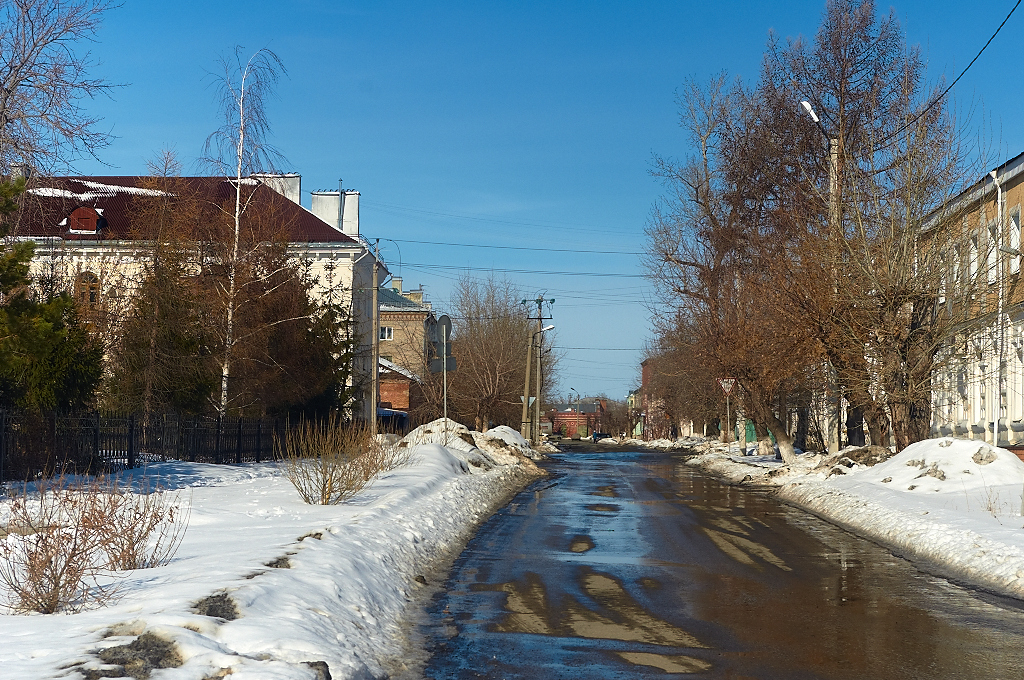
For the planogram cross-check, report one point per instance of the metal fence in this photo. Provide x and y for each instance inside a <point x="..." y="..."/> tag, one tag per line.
<point x="34" y="445"/>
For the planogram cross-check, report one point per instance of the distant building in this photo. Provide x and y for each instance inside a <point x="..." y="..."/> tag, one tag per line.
<point x="567" y="421"/>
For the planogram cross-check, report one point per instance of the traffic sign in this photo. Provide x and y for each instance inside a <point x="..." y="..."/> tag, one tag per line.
<point x="727" y="384"/>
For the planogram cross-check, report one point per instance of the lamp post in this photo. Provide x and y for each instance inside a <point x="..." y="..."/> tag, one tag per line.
<point x="834" y="226"/>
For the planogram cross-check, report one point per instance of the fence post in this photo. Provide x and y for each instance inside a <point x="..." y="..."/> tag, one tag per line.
<point x="131" y="442"/>
<point x="96" y="442"/>
<point x="238" y="443"/>
<point x="3" y="443"/>
<point x="216" y="444"/>
<point x="259" y="442"/>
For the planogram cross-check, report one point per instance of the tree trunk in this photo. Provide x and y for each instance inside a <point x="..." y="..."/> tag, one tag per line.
<point x="855" y="426"/>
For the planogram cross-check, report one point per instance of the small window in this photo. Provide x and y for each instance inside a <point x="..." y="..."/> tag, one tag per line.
<point x="387" y="333"/>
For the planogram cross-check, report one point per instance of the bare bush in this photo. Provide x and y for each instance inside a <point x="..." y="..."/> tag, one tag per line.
<point x="50" y="560"/>
<point x="329" y="462"/>
<point x="139" y="530"/>
<point x="65" y="539"/>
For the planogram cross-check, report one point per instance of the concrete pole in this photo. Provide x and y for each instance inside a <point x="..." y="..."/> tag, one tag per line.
<point x="525" y="429"/>
<point x="536" y="404"/>
<point x="834" y="222"/>
<point x="375" y="344"/>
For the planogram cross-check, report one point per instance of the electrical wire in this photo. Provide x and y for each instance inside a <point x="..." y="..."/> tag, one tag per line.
<point x="946" y="91"/>
<point x="384" y="207"/>
<point x="520" y="271"/>
<point x="541" y="250"/>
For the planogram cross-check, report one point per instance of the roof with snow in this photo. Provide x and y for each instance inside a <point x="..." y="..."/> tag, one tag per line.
<point x="390" y="300"/>
<point x="395" y="368"/>
<point x="114" y="208"/>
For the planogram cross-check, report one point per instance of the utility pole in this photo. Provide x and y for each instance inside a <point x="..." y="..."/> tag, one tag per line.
<point x="834" y="222"/>
<point x="832" y="418"/>
<point x="525" y="429"/>
<point x="532" y="430"/>
<point x="375" y="358"/>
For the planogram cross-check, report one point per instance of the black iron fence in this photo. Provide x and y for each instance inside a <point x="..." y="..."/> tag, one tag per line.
<point x="32" y="445"/>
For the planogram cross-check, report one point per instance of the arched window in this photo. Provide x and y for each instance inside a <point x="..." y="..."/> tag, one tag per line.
<point x="87" y="290"/>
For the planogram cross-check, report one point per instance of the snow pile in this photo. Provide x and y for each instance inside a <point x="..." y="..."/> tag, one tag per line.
<point x="954" y="505"/>
<point x="308" y="583"/>
<point x="483" y="450"/>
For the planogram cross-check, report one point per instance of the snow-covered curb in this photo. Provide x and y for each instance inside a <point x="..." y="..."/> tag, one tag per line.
<point x="959" y="554"/>
<point x="311" y="583"/>
<point x="951" y="506"/>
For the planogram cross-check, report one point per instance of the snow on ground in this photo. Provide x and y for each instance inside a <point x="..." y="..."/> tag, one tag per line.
<point x="338" y="596"/>
<point x="952" y="505"/>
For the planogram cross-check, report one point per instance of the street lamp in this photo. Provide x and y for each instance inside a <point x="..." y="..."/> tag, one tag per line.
<point x="834" y="227"/>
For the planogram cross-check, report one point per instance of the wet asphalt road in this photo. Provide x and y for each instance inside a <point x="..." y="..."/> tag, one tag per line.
<point x="631" y="565"/>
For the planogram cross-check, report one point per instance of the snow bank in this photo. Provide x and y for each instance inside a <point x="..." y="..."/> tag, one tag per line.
<point x="311" y="583"/>
<point x="952" y="505"/>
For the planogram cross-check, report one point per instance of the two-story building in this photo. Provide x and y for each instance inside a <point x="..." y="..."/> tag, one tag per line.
<point x="89" y="238"/>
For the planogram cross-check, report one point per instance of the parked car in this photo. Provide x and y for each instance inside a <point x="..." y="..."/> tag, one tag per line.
<point x="601" y="435"/>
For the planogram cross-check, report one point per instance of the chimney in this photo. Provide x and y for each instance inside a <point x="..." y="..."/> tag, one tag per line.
<point x="333" y="206"/>
<point x="19" y="170"/>
<point x="350" y="206"/>
<point x="288" y="184"/>
<point x="396" y="284"/>
<point x="326" y="205"/>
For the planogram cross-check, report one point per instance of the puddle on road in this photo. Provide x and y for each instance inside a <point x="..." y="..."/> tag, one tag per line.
<point x="617" y="616"/>
<point x="607" y="491"/>
<point x="670" y="663"/>
<point x="602" y="507"/>
<point x="581" y="543"/>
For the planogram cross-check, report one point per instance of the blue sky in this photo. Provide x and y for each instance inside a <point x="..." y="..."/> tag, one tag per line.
<point x="523" y="124"/>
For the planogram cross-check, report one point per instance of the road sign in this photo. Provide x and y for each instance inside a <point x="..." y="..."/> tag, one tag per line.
<point x="436" y="366"/>
<point x="444" y="335"/>
<point x="727" y="384"/>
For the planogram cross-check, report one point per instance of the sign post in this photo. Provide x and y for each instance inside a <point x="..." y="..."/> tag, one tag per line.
<point x="727" y="385"/>
<point x="444" y="363"/>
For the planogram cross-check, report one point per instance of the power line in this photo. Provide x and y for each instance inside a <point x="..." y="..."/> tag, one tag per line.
<point x="484" y="218"/>
<point x="946" y="91"/>
<point x="518" y="271"/>
<point x="604" y="349"/>
<point x="543" y="250"/>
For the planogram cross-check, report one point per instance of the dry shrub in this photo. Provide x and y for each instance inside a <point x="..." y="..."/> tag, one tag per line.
<point x="50" y="561"/>
<point x="66" y="537"/>
<point x="330" y="461"/>
<point x="140" y="530"/>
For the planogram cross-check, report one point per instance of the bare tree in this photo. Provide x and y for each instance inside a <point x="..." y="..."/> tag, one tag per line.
<point x="237" y="150"/>
<point x="491" y="332"/>
<point x="44" y="80"/>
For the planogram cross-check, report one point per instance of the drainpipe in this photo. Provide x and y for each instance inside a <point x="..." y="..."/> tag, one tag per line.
<point x="997" y="403"/>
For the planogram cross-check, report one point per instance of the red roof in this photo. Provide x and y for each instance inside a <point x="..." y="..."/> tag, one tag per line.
<point x="49" y="202"/>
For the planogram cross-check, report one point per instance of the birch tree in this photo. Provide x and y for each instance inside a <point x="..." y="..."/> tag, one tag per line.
<point x="236" y="150"/>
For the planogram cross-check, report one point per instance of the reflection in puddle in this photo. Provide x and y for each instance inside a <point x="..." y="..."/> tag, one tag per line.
<point x="670" y="663"/>
<point x="581" y="544"/>
<point x="529" y="610"/>
<point x="741" y="549"/>
<point x="608" y="491"/>
<point x="601" y="507"/>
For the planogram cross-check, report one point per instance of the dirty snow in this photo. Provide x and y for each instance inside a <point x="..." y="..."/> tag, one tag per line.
<point x="351" y="569"/>
<point x="952" y="505"/>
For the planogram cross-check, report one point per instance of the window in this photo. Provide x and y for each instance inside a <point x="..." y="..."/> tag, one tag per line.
<point x="993" y="253"/>
<point x="87" y="290"/>
<point x="387" y="333"/>
<point x="1015" y="241"/>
